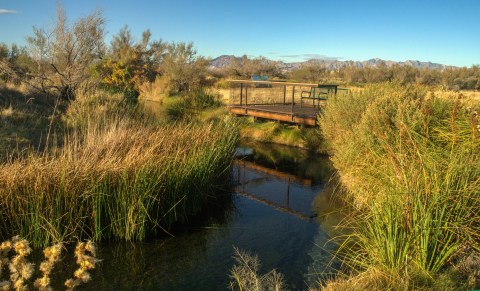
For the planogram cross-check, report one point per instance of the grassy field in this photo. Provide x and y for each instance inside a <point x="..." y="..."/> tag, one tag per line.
<point x="111" y="172"/>
<point x="410" y="162"/>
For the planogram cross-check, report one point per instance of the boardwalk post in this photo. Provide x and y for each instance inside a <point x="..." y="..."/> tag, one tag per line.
<point x="246" y="100"/>
<point x="293" y="100"/>
<point x="284" y="94"/>
<point x="241" y="93"/>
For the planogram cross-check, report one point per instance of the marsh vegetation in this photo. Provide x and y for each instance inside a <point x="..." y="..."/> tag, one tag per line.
<point x="409" y="161"/>
<point x="81" y="158"/>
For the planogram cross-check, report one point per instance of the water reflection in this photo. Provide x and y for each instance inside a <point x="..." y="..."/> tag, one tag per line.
<point x="281" y="177"/>
<point x="269" y="213"/>
<point x="303" y="188"/>
<point x="276" y="189"/>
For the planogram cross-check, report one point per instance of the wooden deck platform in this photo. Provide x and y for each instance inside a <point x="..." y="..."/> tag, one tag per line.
<point x="280" y="112"/>
<point x="297" y="103"/>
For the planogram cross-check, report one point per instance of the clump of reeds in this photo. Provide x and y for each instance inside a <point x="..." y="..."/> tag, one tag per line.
<point x="245" y="274"/>
<point x="21" y="270"/>
<point x="115" y="175"/>
<point x="410" y="162"/>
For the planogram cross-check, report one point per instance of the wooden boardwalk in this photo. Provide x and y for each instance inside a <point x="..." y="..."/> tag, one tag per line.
<point x="297" y="103"/>
<point x="279" y="112"/>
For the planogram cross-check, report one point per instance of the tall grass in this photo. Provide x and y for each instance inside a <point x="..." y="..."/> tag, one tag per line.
<point x="115" y="176"/>
<point x="411" y="164"/>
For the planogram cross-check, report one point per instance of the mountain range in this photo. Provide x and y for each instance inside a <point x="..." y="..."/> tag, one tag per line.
<point x="224" y="61"/>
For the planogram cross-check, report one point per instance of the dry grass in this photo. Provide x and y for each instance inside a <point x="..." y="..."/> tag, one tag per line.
<point x="6" y="112"/>
<point x="24" y="120"/>
<point x="245" y="275"/>
<point x="154" y="91"/>
<point x="464" y="94"/>
<point x="115" y="174"/>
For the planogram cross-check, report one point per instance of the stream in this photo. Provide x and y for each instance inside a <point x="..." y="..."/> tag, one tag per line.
<point x="280" y="209"/>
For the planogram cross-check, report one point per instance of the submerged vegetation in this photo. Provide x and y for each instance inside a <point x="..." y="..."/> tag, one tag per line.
<point x="410" y="164"/>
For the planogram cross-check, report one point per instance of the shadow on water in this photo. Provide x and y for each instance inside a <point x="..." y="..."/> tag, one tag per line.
<point x="269" y="213"/>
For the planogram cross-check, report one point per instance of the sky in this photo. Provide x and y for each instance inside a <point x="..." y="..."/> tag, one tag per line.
<point x="446" y="32"/>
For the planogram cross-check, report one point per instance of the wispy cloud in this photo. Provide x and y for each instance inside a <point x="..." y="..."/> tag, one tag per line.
<point x="307" y="57"/>
<point x="7" y="11"/>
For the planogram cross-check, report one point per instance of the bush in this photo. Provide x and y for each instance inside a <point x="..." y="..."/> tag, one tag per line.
<point x="14" y="252"/>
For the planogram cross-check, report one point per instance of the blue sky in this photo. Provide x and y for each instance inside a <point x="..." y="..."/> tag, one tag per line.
<point x="446" y="32"/>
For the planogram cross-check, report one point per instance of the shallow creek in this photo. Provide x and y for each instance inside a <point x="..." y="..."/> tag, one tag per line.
<point x="277" y="210"/>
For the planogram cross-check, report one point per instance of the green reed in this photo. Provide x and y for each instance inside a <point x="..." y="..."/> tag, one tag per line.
<point x="411" y="165"/>
<point x="116" y="175"/>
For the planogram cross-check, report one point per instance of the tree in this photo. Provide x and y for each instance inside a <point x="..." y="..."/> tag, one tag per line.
<point x="184" y="70"/>
<point x="309" y="72"/>
<point x="15" y="63"/>
<point x="62" y="55"/>
<point x="245" y="68"/>
<point x="130" y="63"/>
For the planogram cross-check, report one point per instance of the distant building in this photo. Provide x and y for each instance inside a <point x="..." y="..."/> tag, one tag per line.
<point x="261" y="78"/>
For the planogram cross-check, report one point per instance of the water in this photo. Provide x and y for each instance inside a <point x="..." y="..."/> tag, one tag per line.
<point x="280" y="196"/>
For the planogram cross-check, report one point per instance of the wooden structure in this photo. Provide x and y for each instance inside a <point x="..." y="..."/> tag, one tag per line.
<point x="298" y="103"/>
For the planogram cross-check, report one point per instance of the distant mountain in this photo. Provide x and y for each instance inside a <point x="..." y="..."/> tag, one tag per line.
<point x="224" y="61"/>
